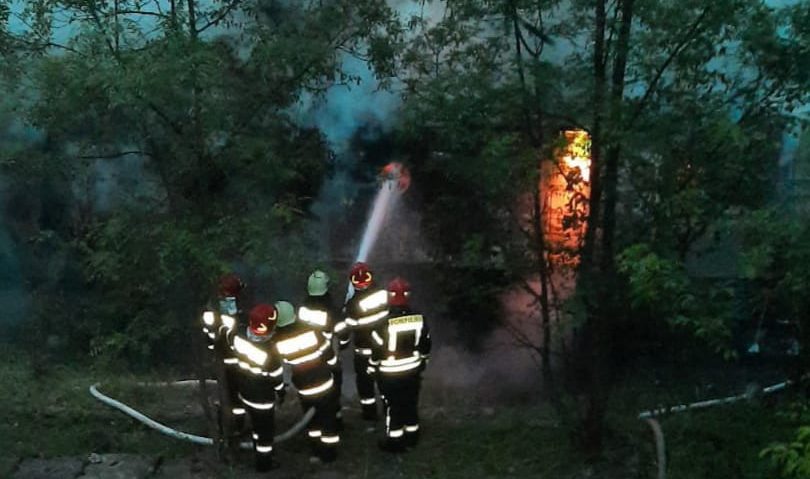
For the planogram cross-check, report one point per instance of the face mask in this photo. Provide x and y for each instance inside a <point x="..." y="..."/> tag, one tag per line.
<point x="227" y="305"/>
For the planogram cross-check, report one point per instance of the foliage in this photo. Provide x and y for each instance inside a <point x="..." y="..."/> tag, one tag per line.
<point x="470" y="128"/>
<point x="791" y="460"/>
<point x="686" y="103"/>
<point x="660" y="287"/>
<point x="776" y="258"/>
<point x="57" y="418"/>
<point x="722" y="442"/>
<point x="166" y="139"/>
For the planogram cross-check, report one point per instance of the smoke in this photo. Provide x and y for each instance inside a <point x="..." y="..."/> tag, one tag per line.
<point x="14" y="299"/>
<point x="346" y="108"/>
<point x="340" y="114"/>
<point x="395" y="246"/>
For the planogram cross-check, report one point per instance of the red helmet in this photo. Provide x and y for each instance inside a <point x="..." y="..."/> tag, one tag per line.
<point x="360" y="276"/>
<point x="229" y="285"/>
<point x="398" y="292"/>
<point x="263" y="319"/>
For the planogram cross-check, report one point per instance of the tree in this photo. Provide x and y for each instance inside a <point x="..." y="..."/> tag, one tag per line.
<point x="478" y="92"/>
<point x="191" y="107"/>
<point x="683" y="101"/>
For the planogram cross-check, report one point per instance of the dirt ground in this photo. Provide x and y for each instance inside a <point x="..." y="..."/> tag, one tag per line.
<point x="359" y="456"/>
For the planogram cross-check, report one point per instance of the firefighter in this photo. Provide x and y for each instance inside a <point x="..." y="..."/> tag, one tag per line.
<point x="305" y="350"/>
<point x="318" y="312"/>
<point x="401" y="351"/>
<point x="364" y="310"/>
<point x="217" y="322"/>
<point x="261" y="380"/>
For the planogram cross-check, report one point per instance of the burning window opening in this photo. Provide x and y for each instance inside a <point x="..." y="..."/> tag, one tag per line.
<point x="565" y="191"/>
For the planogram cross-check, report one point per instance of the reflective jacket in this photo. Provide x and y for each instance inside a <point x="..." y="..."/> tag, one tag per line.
<point x="364" y="311"/>
<point x="306" y="351"/>
<point x="401" y="342"/>
<point x="257" y="359"/>
<point x="217" y="327"/>
<point x="318" y="313"/>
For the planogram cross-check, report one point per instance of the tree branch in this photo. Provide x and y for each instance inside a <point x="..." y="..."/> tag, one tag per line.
<point x="114" y="155"/>
<point x="162" y="115"/>
<point x="688" y="37"/>
<point x="37" y="45"/>
<point x="260" y="104"/>
<point x="218" y="17"/>
<point x="143" y="12"/>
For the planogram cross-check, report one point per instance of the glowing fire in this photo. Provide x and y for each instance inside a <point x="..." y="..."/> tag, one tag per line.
<point x="398" y="174"/>
<point x="577" y="154"/>
<point x="565" y="189"/>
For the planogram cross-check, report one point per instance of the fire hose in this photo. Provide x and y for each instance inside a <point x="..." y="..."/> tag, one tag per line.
<point x="193" y="438"/>
<point x="658" y="433"/>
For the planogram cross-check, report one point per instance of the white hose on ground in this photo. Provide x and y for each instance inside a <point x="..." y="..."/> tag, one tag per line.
<point x="660" y="447"/>
<point x="658" y="432"/>
<point x="184" y="436"/>
<point x="711" y="402"/>
<point x="182" y="382"/>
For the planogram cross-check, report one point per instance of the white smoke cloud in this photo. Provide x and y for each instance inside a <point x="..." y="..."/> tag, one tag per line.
<point x="346" y="108"/>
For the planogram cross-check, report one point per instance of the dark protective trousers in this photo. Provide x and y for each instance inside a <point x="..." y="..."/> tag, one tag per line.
<point x="400" y="394"/>
<point x="322" y="429"/>
<point x="238" y="410"/>
<point x="337" y="374"/>
<point x="365" y="386"/>
<point x="258" y="397"/>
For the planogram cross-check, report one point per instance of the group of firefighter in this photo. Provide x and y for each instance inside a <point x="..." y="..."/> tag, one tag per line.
<point x="391" y="345"/>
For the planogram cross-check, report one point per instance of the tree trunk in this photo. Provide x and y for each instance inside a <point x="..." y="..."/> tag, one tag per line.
<point x="588" y="280"/>
<point x="599" y="85"/>
<point x="611" y="179"/>
<point x="598" y="266"/>
<point x="536" y="135"/>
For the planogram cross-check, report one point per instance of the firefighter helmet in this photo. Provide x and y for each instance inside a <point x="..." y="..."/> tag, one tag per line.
<point x="286" y="313"/>
<point x="229" y="285"/>
<point x="361" y="276"/>
<point x="398" y="292"/>
<point x="263" y="319"/>
<point x="318" y="283"/>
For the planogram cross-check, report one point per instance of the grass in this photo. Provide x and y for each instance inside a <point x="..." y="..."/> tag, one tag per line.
<point x="53" y="415"/>
<point x="725" y="442"/>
